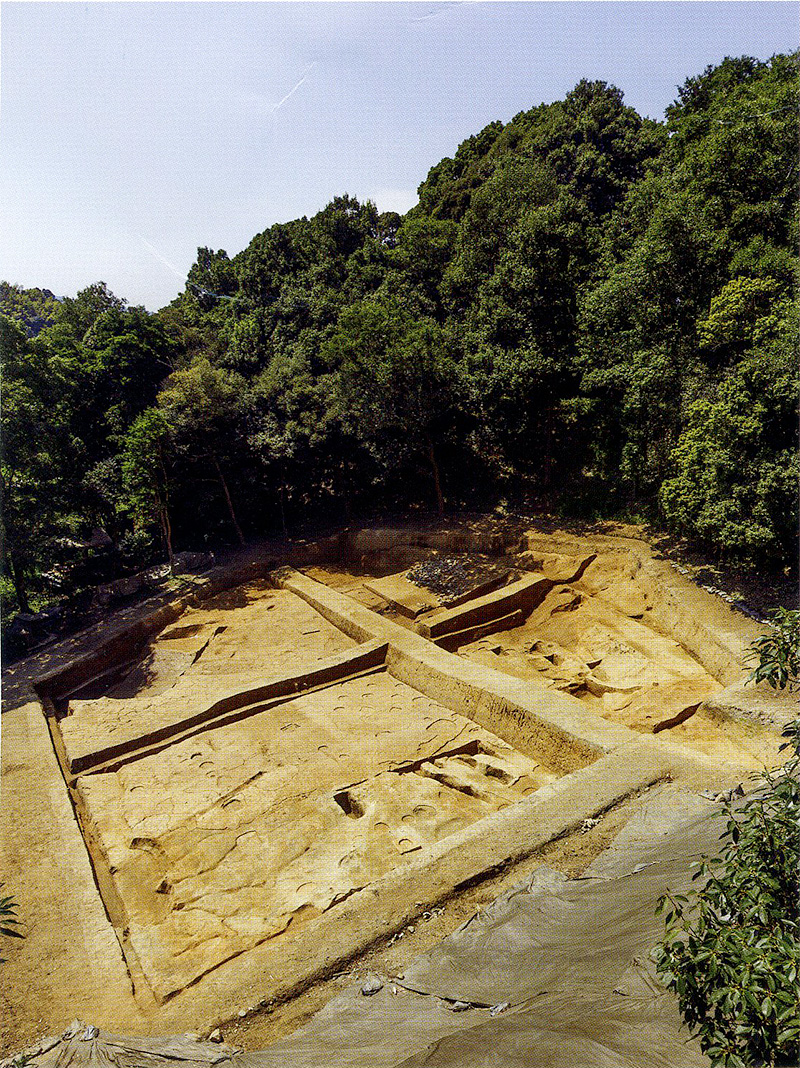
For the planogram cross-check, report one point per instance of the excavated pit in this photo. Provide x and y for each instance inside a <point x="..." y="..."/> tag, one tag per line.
<point x="277" y="773"/>
<point x="228" y="816"/>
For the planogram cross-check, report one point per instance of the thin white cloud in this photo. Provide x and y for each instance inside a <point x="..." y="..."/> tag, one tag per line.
<point x="294" y="88"/>
<point x="158" y="256"/>
<point x="441" y="9"/>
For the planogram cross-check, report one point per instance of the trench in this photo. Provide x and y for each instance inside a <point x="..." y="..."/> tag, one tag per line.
<point x="107" y="891"/>
<point x="253" y="831"/>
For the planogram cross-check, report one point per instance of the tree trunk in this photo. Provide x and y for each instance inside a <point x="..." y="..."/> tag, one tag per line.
<point x="166" y="530"/>
<point x="163" y="513"/>
<point x="548" y="447"/>
<point x="346" y="484"/>
<point x="224" y="485"/>
<point x="18" y="582"/>
<point x="437" y="481"/>
<point x="282" y="502"/>
<point x="15" y="572"/>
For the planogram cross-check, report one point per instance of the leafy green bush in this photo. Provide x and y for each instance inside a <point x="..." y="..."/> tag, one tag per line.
<point x="731" y="950"/>
<point x="778" y="653"/>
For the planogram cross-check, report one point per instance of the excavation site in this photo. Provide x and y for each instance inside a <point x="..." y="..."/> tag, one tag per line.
<point x="238" y="796"/>
<point x="399" y="536"/>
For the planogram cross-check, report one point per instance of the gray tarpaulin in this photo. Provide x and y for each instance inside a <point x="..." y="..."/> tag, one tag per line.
<point x="556" y="973"/>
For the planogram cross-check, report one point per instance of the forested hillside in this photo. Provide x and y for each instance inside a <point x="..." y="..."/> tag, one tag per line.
<point x="585" y="305"/>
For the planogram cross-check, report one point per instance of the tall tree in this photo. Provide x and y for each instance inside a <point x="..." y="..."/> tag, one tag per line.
<point x="146" y="482"/>
<point x="35" y="477"/>
<point x="398" y="384"/>
<point x="206" y="410"/>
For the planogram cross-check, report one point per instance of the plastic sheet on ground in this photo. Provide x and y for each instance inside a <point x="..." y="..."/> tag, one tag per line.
<point x="556" y="973"/>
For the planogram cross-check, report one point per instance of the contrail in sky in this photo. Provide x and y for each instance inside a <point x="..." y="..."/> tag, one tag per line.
<point x="436" y="14"/>
<point x="294" y="89"/>
<point x="158" y="256"/>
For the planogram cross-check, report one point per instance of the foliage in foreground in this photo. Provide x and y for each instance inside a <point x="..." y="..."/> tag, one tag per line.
<point x="731" y="950"/>
<point x="778" y="652"/>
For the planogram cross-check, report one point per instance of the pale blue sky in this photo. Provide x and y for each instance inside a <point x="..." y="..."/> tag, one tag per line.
<point x="131" y="133"/>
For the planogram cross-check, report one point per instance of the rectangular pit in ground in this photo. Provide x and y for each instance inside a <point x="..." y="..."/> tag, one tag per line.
<point x="249" y="835"/>
<point x="233" y="837"/>
<point x="312" y="945"/>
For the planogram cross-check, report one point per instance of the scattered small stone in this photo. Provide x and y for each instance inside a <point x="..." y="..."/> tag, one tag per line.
<point x="393" y="988"/>
<point x="241" y="1013"/>
<point x="215" y="1035"/>
<point x="588" y="824"/>
<point x="728" y="795"/>
<point x="497" y="1009"/>
<point x="73" y="1029"/>
<point x="460" y="1006"/>
<point x="411" y="927"/>
<point x="400" y="975"/>
<point x="372" y="986"/>
<point x="90" y="1033"/>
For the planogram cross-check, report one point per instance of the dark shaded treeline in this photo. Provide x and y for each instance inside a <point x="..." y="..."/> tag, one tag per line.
<point x="587" y="304"/>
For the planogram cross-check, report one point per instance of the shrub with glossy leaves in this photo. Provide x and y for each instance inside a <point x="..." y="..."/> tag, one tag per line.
<point x="731" y="950"/>
<point x="777" y="653"/>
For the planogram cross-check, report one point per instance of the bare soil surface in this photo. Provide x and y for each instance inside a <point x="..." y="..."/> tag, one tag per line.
<point x="571" y="855"/>
<point x="252" y="829"/>
<point x="592" y="637"/>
